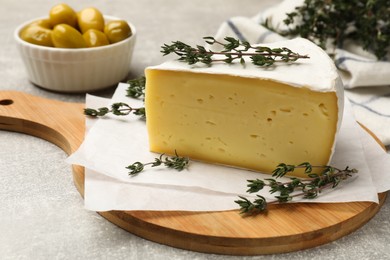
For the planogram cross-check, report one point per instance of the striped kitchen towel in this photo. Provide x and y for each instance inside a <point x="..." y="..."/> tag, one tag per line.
<point x="366" y="80"/>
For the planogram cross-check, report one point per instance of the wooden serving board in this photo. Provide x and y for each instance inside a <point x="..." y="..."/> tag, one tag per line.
<point x="285" y="228"/>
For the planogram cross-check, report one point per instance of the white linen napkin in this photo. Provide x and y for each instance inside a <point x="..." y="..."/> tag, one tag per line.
<point x="112" y="143"/>
<point x="366" y="79"/>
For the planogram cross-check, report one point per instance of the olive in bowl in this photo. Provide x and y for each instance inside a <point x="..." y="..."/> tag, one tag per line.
<point x="61" y="59"/>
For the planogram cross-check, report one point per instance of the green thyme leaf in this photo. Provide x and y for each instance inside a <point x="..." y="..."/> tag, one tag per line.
<point x="174" y="162"/>
<point x="365" y="22"/>
<point x="119" y="109"/>
<point x="233" y="50"/>
<point x="308" y="188"/>
<point x="136" y="88"/>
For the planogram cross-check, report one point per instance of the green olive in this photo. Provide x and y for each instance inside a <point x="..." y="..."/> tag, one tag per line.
<point x="65" y="36"/>
<point x="37" y="35"/>
<point x="117" y="30"/>
<point x="45" y="23"/>
<point x="90" y="18"/>
<point x="95" y="38"/>
<point x="63" y="13"/>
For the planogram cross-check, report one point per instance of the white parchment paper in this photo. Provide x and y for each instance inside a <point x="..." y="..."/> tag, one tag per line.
<point x="112" y="143"/>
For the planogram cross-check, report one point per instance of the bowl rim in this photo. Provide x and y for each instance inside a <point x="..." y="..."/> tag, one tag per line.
<point x="75" y="50"/>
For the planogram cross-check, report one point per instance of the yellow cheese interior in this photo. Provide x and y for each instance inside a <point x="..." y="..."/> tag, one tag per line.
<point x="242" y="122"/>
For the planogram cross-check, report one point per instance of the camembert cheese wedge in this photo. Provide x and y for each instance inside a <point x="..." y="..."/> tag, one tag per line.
<point x="247" y="116"/>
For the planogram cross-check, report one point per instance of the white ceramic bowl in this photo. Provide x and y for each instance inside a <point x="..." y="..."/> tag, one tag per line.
<point x="76" y="70"/>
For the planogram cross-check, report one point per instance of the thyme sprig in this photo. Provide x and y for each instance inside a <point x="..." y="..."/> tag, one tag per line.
<point x="233" y="50"/>
<point x="367" y="22"/>
<point x="119" y="109"/>
<point x="308" y="188"/>
<point x="174" y="162"/>
<point x="136" y="87"/>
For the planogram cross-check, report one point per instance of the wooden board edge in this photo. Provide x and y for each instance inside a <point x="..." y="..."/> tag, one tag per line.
<point x="236" y="246"/>
<point x="231" y="246"/>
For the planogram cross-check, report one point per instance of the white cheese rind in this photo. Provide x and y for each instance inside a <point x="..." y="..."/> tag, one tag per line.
<point x="317" y="73"/>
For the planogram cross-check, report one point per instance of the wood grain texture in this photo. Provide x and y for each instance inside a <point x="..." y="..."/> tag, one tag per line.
<point x="284" y="228"/>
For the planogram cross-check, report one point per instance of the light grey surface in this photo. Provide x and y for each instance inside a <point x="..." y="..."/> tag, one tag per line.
<point x="42" y="214"/>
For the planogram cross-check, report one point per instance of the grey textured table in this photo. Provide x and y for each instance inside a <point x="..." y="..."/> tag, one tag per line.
<point x="42" y="214"/>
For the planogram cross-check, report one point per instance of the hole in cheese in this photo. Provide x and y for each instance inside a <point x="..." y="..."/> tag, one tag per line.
<point x="323" y="109"/>
<point x="208" y="122"/>
<point x="286" y="110"/>
<point x="200" y="101"/>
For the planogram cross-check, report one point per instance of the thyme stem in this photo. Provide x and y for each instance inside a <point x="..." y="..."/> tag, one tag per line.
<point x="136" y="87"/>
<point x="119" y="109"/>
<point x="239" y="55"/>
<point x="308" y="188"/>
<point x="365" y="22"/>
<point x="174" y="162"/>
<point x="233" y="49"/>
